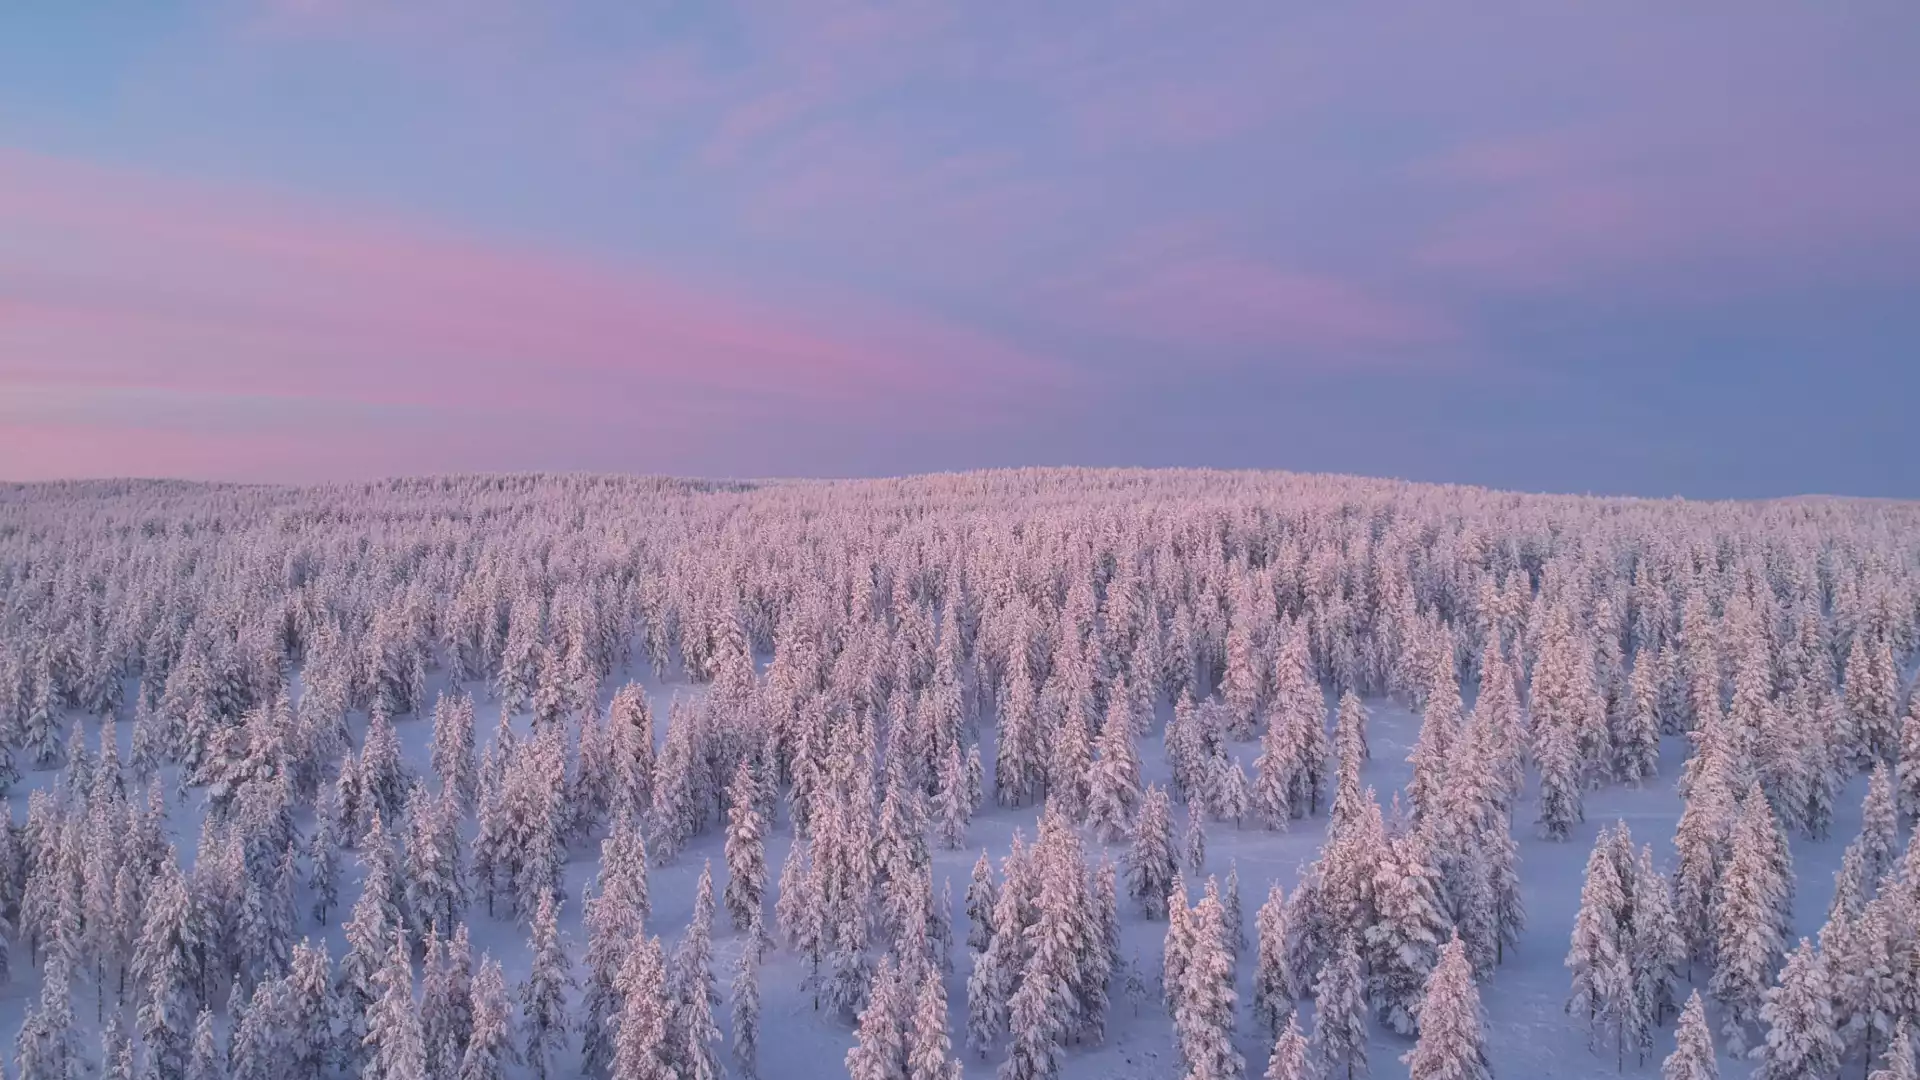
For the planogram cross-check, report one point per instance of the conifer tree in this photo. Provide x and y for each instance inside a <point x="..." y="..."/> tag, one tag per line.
<point x="490" y="1049"/>
<point x="1556" y="747"/>
<point x="1879" y="825"/>
<point x="1801" y="1042"/>
<point x="368" y="933"/>
<point x="1899" y="1063"/>
<point x="929" y="1047"/>
<point x="1439" y="728"/>
<point x="630" y="723"/>
<point x="163" y="962"/>
<point x="987" y="990"/>
<point x="453" y="757"/>
<point x="1403" y="943"/>
<point x="1289" y="1058"/>
<point x="641" y="1047"/>
<point x="745" y="850"/>
<point x="323" y="877"/>
<point x="1908" y="772"/>
<point x="1747" y="942"/>
<point x="879" y="1051"/>
<point x="1453" y="1029"/>
<point x="1195" y="844"/>
<point x="1693" y="1057"/>
<point x="953" y="803"/>
<point x="746" y="1013"/>
<point x="1339" y="1045"/>
<point x="982" y="897"/>
<point x="694" y="1034"/>
<point x="1151" y="860"/>
<point x="204" y="1061"/>
<point x="396" y="1043"/>
<point x="614" y="920"/>
<point x="300" y="1017"/>
<point x="1602" y="972"/>
<point x="1274" y="987"/>
<point x="446" y="1007"/>
<point x="543" y="995"/>
<point x="1114" y="793"/>
<point x="1205" y="1020"/>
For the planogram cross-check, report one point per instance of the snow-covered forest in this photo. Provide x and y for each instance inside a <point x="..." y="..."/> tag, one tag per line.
<point x="1030" y="774"/>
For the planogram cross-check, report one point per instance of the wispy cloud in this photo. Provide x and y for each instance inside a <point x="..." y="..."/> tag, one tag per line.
<point x="123" y="292"/>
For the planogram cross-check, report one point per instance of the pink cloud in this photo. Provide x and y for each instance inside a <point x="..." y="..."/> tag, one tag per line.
<point x="115" y="282"/>
<point x="1559" y="210"/>
<point x="1180" y="285"/>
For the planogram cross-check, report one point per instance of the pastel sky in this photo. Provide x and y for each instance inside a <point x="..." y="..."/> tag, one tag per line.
<point x="1610" y="246"/>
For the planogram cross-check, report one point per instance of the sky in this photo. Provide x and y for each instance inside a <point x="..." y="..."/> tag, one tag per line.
<point x="1619" y="247"/>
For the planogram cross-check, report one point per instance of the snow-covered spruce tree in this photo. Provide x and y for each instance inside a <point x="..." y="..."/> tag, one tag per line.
<point x="593" y="785"/>
<point x="693" y="1033"/>
<point x="1339" y="1045"/>
<point x="1899" y="1063"/>
<point x="1693" y="1057"/>
<point x="311" y="1009"/>
<point x="616" y="914"/>
<point x="630" y="723"/>
<point x="746" y="1012"/>
<point x="1656" y="948"/>
<point x="1289" y="1058"/>
<point x="745" y="850"/>
<point x="1350" y="731"/>
<point x="1699" y="843"/>
<point x="1274" y="984"/>
<point x="1439" y="728"/>
<point x="1879" y="825"/>
<point x="1114" y="792"/>
<point x="1152" y="861"/>
<point x="988" y="987"/>
<point x="1195" y="843"/>
<point x="1747" y="944"/>
<point x="1403" y="944"/>
<point x="1872" y="687"/>
<point x="1602" y="997"/>
<point x="1204" y="1023"/>
<point x="490" y="1049"/>
<point x="953" y="803"/>
<point x="1227" y="798"/>
<point x="48" y="1047"/>
<point x="642" y="1049"/>
<point x="1871" y="956"/>
<point x="543" y="994"/>
<point x="982" y="896"/>
<point x="453" y="757"/>
<point x="205" y="1061"/>
<point x="396" y="1044"/>
<point x="1017" y="766"/>
<point x="1801" y="1042"/>
<point x="679" y="808"/>
<point x="1300" y="708"/>
<point x="436" y="872"/>
<point x="1453" y="1029"/>
<point x="163" y="962"/>
<point x="879" y="1050"/>
<point x="1637" y="742"/>
<point x="1070" y="747"/>
<point x="1556" y="747"/>
<point x="1907" y="775"/>
<point x="383" y="773"/>
<point x="323" y="873"/>
<point x="368" y="933"/>
<point x="929" y="1046"/>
